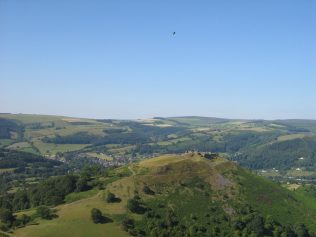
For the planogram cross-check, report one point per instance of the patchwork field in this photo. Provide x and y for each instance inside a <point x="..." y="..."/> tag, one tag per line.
<point x="255" y="144"/>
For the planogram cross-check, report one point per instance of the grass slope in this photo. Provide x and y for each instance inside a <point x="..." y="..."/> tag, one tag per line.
<point x="74" y="220"/>
<point x="198" y="191"/>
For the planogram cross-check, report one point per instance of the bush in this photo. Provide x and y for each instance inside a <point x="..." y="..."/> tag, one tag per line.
<point x="23" y="220"/>
<point x="111" y="198"/>
<point x="44" y="212"/>
<point x="135" y="206"/>
<point x="96" y="215"/>
<point x="128" y="224"/>
<point x="148" y="191"/>
<point x="6" y="216"/>
<point x="82" y="185"/>
<point x="3" y="227"/>
<point x="211" y="156"/>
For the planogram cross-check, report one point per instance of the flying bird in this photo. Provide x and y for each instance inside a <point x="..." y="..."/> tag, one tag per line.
<point x="174" y="33"/>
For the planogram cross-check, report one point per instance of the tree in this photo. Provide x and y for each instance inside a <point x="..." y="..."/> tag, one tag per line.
<point x="171" y="218"/>
<point x="148" y="191"/>
<point x="301" y="230"/>
<point x="256" y="225"/>
<point x="128" y="224"/>
<point x="112" y="198"/>
<point x="135" y="206"/>
<point x="20" y="200"/>
<point x="82" y="185"/>
<point x="6" y="216"/>
<point x="23" y="220"/>
<point x="96" y="215"/>
<point x="211" y="156"/>
<point x="44" y="212"/>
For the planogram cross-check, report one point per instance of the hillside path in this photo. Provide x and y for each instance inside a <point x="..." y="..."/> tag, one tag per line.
<point x="131" y="169"/>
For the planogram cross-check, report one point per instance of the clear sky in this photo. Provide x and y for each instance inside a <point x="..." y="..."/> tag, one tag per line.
<point x="119" y="58"/>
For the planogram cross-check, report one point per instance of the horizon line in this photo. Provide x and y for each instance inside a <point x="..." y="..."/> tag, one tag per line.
<point x="157" y="117"/>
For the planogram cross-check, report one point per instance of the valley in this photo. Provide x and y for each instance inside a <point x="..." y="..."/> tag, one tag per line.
<point x="182" y="176"/>
<point x="281" y="149"/>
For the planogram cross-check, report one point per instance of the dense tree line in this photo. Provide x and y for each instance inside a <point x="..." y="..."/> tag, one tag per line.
<point x="76" y="138"/>
<point x="8" y="220"/>
<point x="7" y="126"/>
<point x="236" y="141"/>
<point x="206" y="143"/>
<point x="24" y="165"/>
<point x="114" y="130"/>
<point x="20" y="160"/>
<point x="250" y="149"/>
<point x="51" y="192"/>
<point x="155" y="132"/>
<point x="282" y="155"/>
<point x="215" y="222"/>
<point x="48" y="192"/>
<point x="141" y="134"/>
<point x="291" y="125"/>
<point x="200" y="144"/>
<point x="138" y="134"/>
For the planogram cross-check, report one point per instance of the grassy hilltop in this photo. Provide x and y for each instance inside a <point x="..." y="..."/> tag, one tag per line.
<point x="182" y="195"/>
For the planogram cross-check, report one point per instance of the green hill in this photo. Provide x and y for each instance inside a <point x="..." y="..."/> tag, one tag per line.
<point x="183" y="195"/>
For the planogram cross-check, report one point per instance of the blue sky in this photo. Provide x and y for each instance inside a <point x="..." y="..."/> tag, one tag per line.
<point x="119" y="59"/>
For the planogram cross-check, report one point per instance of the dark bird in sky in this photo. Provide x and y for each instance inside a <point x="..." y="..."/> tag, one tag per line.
<point x="173" y="33"/>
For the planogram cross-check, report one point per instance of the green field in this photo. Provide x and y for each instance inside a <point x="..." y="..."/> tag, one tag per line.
<point x="52" y="149"/>
<point x="74" y="220"/>
<point x="7" y="170"/>
<point x="5" y="142"/>
<point x="291" y="136"/>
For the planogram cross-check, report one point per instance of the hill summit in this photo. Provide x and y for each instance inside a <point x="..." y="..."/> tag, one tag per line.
<point x="185" y="195"/>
